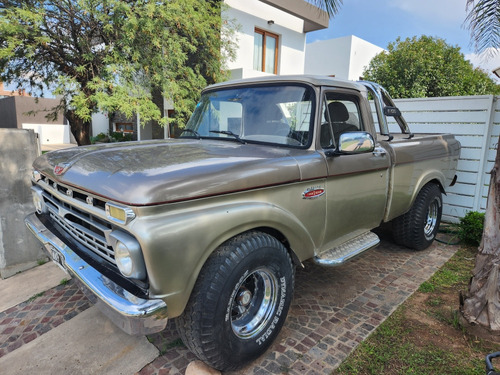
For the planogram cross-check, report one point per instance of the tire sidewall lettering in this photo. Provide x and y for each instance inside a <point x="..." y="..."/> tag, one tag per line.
<point x="269" y="331"/>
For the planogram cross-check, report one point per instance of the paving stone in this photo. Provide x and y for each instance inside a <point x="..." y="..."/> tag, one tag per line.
<point x="334" y="309"/>
<point x="31" y="319"/>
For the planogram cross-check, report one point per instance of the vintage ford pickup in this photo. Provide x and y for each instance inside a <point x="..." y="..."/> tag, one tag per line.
<point x="209" y="227"/>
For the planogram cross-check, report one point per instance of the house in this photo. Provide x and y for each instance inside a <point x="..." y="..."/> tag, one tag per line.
<point x="26" y="112"/>
<point x="271" y="40"/>
<point x="344" y="58"/>
<point x="6" y="93"/>
<point x="272" y="35"/>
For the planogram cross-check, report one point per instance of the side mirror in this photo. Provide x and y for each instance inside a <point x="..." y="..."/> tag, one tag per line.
<point x="392" y="111"/>
<point x="356" y="143"/>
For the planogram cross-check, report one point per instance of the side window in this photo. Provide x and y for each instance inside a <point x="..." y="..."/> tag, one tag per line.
<point x="341" y="114"/>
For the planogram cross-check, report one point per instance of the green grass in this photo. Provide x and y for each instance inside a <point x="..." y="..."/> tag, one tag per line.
<point x="170" y="345"/>
<point x="41" y="262"/>
<point x="32" y="298"/>
<point x="397" y="345"/>
<point x="455" y="273"/>
<point x="389" y="350"/>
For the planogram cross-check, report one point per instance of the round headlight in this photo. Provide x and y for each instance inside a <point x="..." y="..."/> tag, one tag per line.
<point x="128" y="255"/>
<point x="123" y="259"/>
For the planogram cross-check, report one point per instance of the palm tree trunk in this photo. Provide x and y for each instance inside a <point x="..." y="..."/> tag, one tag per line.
<point x="481" y="306"/>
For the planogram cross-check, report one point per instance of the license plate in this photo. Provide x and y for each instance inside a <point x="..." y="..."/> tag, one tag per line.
<point x="57" y="258"/>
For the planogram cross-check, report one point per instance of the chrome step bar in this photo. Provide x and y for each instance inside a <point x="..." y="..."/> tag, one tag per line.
<point x="342" y="253"/>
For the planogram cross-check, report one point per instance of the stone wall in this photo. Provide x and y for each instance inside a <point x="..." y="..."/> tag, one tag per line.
<point x="19" y="249"/>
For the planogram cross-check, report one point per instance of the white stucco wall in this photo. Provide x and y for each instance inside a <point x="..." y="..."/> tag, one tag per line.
<point x="253" y="13"/>
<point x="344" y="58"/>
<point x="100" y="123"/>
<point x="50" y="134"/>
<point x="362" y="52"/>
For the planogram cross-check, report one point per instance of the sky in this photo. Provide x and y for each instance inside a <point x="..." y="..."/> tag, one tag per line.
<point x="382" y="21"/>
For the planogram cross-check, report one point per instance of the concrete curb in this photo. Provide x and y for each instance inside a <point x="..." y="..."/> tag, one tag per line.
<point x="87" y="344"/>
<point x="23" y="286"/>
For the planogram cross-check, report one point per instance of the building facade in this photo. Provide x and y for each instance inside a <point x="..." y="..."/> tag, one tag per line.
<point x="345" y="58"/>
<point x="26" y="112"/>
<point x="272" y="35"/>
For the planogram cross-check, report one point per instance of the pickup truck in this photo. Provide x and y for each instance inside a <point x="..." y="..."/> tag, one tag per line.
<point x="208" y="228"/>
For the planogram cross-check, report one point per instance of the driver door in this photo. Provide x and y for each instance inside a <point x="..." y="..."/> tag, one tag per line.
<point x="357" y="183"/>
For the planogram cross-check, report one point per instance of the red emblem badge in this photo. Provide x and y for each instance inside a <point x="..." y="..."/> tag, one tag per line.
<point x="313" y="193"/>
<point x="59" y="169"/>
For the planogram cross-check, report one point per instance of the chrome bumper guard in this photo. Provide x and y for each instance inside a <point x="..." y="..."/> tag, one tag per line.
<point x="134" y="315"/>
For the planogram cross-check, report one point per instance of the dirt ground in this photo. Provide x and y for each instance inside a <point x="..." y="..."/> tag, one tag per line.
<point x="425" y="335"/>
<point x="432" y="320"/>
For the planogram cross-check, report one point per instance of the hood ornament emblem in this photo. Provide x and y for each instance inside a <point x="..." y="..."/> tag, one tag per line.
<point x="60" y="168"/>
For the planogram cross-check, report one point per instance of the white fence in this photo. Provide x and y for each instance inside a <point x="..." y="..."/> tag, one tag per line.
<point x="475" y="122"/>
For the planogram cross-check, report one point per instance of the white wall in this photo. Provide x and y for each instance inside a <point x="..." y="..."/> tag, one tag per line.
<point x="292" y="40"/>
<point x="100" y="123"/>
<point x="344" y="58"/>
<point x="362" y="52"/>
<point x="50" y="134"/>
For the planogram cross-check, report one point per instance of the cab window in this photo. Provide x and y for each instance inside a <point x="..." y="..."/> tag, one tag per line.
<point x="341" y="113"/>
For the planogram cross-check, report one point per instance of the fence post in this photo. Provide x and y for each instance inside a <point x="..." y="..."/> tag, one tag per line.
<point x="483" y="162"/>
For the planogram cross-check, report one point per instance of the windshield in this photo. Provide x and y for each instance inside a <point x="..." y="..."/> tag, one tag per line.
<point x="271" y="114"/>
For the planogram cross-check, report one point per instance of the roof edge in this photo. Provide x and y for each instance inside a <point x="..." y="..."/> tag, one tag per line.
<point x="314" y="18"/>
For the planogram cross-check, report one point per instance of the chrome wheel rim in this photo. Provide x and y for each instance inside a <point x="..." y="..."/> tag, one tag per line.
<point x="431" y="219"/>
<point x="254" y="303"/>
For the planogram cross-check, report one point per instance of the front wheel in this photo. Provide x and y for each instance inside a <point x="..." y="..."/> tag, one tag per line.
<point x="417" y="228"/>
<point x="239" y="302"/>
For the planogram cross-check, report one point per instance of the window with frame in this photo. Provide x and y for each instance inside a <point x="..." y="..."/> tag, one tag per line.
<point x="341" y="114"/>
<point x="124" y="127"/>
<point x="265" y="54"/>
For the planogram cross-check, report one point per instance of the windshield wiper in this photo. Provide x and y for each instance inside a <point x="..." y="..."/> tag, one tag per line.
<point x="228" y="132"/>
<point x="196" y="134"/>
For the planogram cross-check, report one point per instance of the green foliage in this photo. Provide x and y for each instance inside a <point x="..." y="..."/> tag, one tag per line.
<point x="471" y="228"/>
<point x="427" y="67"/>
<point x="113" y="137"/>
<point x="113" y="55"/>
<point x="121" y="137"/>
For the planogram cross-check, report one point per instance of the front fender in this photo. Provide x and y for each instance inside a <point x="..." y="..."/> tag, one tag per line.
<point x="177" y="243"/>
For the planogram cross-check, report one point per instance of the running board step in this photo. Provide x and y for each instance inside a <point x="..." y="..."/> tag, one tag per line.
<point x="342" y="253"/>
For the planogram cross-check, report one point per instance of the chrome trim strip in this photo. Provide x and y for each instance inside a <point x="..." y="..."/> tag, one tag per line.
<point x="132" y="314"/>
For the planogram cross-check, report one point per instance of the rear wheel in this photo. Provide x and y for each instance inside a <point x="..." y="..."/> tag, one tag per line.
<point x="417" y="228"/>
<point x="239" y="302"/>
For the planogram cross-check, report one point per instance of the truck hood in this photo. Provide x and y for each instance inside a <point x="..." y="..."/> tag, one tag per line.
<point x="153" y="172"/>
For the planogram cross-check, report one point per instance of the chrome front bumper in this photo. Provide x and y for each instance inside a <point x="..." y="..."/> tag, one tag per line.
<point x="134" y="315"/>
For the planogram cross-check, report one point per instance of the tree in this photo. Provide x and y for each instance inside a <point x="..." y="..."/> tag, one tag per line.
<point x="480" y="307"/>
<point x="112" y="55"/>
<point x="427" y="67"/>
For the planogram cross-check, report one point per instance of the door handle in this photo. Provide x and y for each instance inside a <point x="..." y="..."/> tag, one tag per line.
<point x="379" y="152"/>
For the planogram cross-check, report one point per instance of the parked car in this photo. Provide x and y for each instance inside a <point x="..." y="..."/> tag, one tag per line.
<point x="208" y="228"/>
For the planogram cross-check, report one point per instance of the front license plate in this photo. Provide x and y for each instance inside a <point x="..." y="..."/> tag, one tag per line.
<point x="57" y="258"/>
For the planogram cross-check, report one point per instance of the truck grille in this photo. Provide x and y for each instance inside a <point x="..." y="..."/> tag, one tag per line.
<point x="85" y="228"/>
